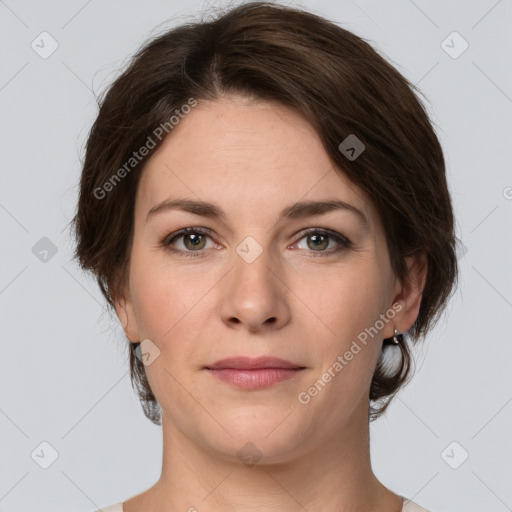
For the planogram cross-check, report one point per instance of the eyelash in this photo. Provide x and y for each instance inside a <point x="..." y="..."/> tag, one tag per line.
<point x="340" y="239"/>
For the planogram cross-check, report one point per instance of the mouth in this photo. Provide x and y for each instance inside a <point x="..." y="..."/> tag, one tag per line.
<point x="258" y="363"/>
<point x="254" y="373"/>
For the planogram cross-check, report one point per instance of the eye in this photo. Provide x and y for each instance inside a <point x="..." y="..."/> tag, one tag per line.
<point x="318" y="240"/>
<point x="194" y="241"/>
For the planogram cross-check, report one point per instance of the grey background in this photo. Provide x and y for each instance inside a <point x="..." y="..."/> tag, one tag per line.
<point x="64" y="369"/>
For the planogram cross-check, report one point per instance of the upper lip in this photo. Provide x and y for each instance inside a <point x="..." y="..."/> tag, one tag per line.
<point x="249" y="363"/>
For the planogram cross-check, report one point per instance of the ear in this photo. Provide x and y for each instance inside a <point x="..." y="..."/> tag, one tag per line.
<point x="408" y="295"/>
<point x="126" y="314"/>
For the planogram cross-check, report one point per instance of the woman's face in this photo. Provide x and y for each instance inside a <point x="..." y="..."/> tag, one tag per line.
<point x="257" y="284"/>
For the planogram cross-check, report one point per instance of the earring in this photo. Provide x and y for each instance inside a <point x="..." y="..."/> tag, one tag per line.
<point x="398" y="338"/>
<point x="390" y="359"/>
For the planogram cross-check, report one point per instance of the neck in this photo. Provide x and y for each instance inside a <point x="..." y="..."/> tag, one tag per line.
<point x="335" y="475"/>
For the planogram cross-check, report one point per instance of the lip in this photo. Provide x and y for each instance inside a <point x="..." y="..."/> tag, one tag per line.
<point x="254" y="373"/>
<point x="258" y="363"/>
<point x="254" y="379"/>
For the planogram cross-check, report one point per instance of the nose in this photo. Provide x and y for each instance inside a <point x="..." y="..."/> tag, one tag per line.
<point x="255" y="296"/>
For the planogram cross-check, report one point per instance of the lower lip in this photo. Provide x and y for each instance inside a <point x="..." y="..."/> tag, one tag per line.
<point x="254" y="379"/>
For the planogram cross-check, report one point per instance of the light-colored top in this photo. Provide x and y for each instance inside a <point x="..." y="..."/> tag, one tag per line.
<point x="409" y="506"/>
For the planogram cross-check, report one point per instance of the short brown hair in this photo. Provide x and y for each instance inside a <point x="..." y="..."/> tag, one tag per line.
<point x="338" y="82"/>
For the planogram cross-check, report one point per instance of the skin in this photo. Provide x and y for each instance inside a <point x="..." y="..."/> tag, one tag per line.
<point x="253" y="159"/>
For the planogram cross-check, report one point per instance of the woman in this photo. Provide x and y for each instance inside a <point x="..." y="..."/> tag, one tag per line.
<point x="264" y="205"/>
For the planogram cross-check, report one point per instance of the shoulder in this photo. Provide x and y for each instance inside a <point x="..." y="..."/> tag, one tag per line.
<point x="116" y="507"/>
<point x="410" y="506"/>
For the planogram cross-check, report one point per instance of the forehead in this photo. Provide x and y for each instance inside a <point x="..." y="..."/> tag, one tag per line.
<point x="251" y="157"/>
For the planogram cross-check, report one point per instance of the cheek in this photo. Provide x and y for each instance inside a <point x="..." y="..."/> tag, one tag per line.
<point x="154" y="289"/>
<point x="347" y="309"/>
<point x="170" y="303"/>
<point x="345" y="301"/>
<point x="346" y="346"/>
<point x="168" y="312"/>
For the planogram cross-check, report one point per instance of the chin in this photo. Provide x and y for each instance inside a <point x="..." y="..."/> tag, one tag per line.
<point x="269" y="440"/>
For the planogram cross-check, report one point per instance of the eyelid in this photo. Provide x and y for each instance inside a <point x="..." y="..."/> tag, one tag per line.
<point x="343" y="242"/>
<point x="190" y="229"/>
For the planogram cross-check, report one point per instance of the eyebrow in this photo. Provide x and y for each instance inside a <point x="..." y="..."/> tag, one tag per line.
<point x="298" y="210"/>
